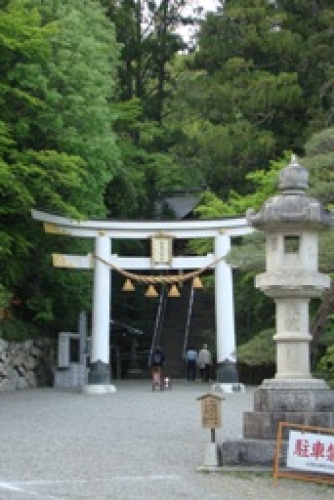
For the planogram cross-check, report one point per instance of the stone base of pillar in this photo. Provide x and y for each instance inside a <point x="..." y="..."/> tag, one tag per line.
<point x="99" y="373"/>
<point x="250" y="453"/>
<point x="98" y="389"/>
<point x="211" y="458"/>
<point x="227" y="372"/>
<point x="302" y="402"/>
<point x="231" y="388"/>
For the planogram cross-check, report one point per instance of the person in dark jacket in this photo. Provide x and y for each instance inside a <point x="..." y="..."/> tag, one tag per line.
<point x="157" y="358"/>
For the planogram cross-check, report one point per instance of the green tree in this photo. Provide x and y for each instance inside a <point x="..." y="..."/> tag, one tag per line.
<point x="313" y="22"/>
<point x="254" y="311"/>
<point x="319" y="160"/>
<point x="78" y="86"/>
<point x="147" y="33"/>
<point x="254" y="88"/>
<point x="249" y="257"/>
<point x="57" y="146"/>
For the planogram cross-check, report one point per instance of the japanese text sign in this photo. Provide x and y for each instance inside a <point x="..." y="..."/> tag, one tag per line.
<point x="312" y="452"/>
<point x="211" y="412"/>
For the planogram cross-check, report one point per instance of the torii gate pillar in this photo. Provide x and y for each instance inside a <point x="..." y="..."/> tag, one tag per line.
<point x="99" y="373"/>
<point x="226" y="342"/>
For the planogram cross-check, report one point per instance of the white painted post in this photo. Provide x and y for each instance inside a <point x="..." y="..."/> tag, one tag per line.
<point x="99" y="375"/>
<point x="226" y="345"/>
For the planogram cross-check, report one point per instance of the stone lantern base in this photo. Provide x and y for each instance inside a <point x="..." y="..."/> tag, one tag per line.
<point x="304" y="402"/>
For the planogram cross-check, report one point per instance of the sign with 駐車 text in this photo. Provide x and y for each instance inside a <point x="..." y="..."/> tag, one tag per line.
<point x="310" y="451"/>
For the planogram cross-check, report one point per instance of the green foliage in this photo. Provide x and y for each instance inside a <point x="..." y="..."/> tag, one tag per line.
<point x="253" y="89"/>
<point x="260" y="350"/>
<point x="16" y="330"/>
<point x="150" y="169"/>
<point x="326" y="363"/>
<point x="264" y="184"/>
<point x="327" y="338"/>
<point x="57" y="147"/>
<point x="147" y="32"/>
<point x="326" y="251"/>
<point x="5" y="297"/>
<point x="146" y="74"/>
<point x="77" y="85"/>
<point x="259" y="84"/>
<point x="320" y="163"/>
<point x="254" y="311"/>
<point x="249" y="255"/>
<point x="217" y="142"/>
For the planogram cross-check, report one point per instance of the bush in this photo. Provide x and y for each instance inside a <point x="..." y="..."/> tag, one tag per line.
<point x="260" y="350"/>
<point x="16" y="330"/>
<point x="326" y="365"/>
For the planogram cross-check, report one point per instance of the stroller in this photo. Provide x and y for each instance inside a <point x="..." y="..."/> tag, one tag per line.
<point x="157" y="378"/>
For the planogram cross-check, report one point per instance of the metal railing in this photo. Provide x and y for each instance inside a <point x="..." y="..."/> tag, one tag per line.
<point x="188" y="322"/>
<point x="159" y="320"/>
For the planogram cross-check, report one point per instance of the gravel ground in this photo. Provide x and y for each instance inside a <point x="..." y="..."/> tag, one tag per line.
<point x="133" y="444"/>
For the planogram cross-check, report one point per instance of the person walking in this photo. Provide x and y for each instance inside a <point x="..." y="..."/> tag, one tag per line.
<point x="191" y="359"/>
<point x="204" y="363"/>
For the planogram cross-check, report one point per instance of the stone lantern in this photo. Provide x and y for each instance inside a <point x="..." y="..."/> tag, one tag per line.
<point x="291" y="221"/>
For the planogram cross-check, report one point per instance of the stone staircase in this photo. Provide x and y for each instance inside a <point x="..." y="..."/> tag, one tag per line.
<point x="173" y="331"/>
<point x="172" y="334"/>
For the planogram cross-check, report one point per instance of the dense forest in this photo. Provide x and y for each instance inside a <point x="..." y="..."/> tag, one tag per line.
<point x="105" y="109"/>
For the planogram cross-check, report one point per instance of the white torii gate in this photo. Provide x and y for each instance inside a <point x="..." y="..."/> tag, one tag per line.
<point x="103" y="232"/>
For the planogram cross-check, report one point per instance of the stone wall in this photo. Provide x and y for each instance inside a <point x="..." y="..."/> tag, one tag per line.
<point x="27" y="364"/>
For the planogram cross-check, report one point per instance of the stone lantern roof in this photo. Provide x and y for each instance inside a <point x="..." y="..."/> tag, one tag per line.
<point x="291" y="207"/>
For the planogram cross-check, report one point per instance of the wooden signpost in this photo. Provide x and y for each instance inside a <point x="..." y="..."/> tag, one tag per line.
<point x="211" y="412"/>
<point x="211" y="419"/>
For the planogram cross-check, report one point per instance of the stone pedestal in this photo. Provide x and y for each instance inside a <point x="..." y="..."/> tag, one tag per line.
<point x="75" y="376"/>
<point x="304" y="402"/>
<point x="227" y="372"/>
<point x="99" y="379"/>
<point x="292" y="222"/>
<point x="211" y="458"/>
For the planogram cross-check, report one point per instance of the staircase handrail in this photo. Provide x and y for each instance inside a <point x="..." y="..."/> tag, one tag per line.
<point x="158" y="322"/>
<point x="187" y="328"/>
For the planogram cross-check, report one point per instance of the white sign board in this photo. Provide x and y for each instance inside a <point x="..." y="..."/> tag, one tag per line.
<point x="311" y="452"/>
<point x="161" y="249"/>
